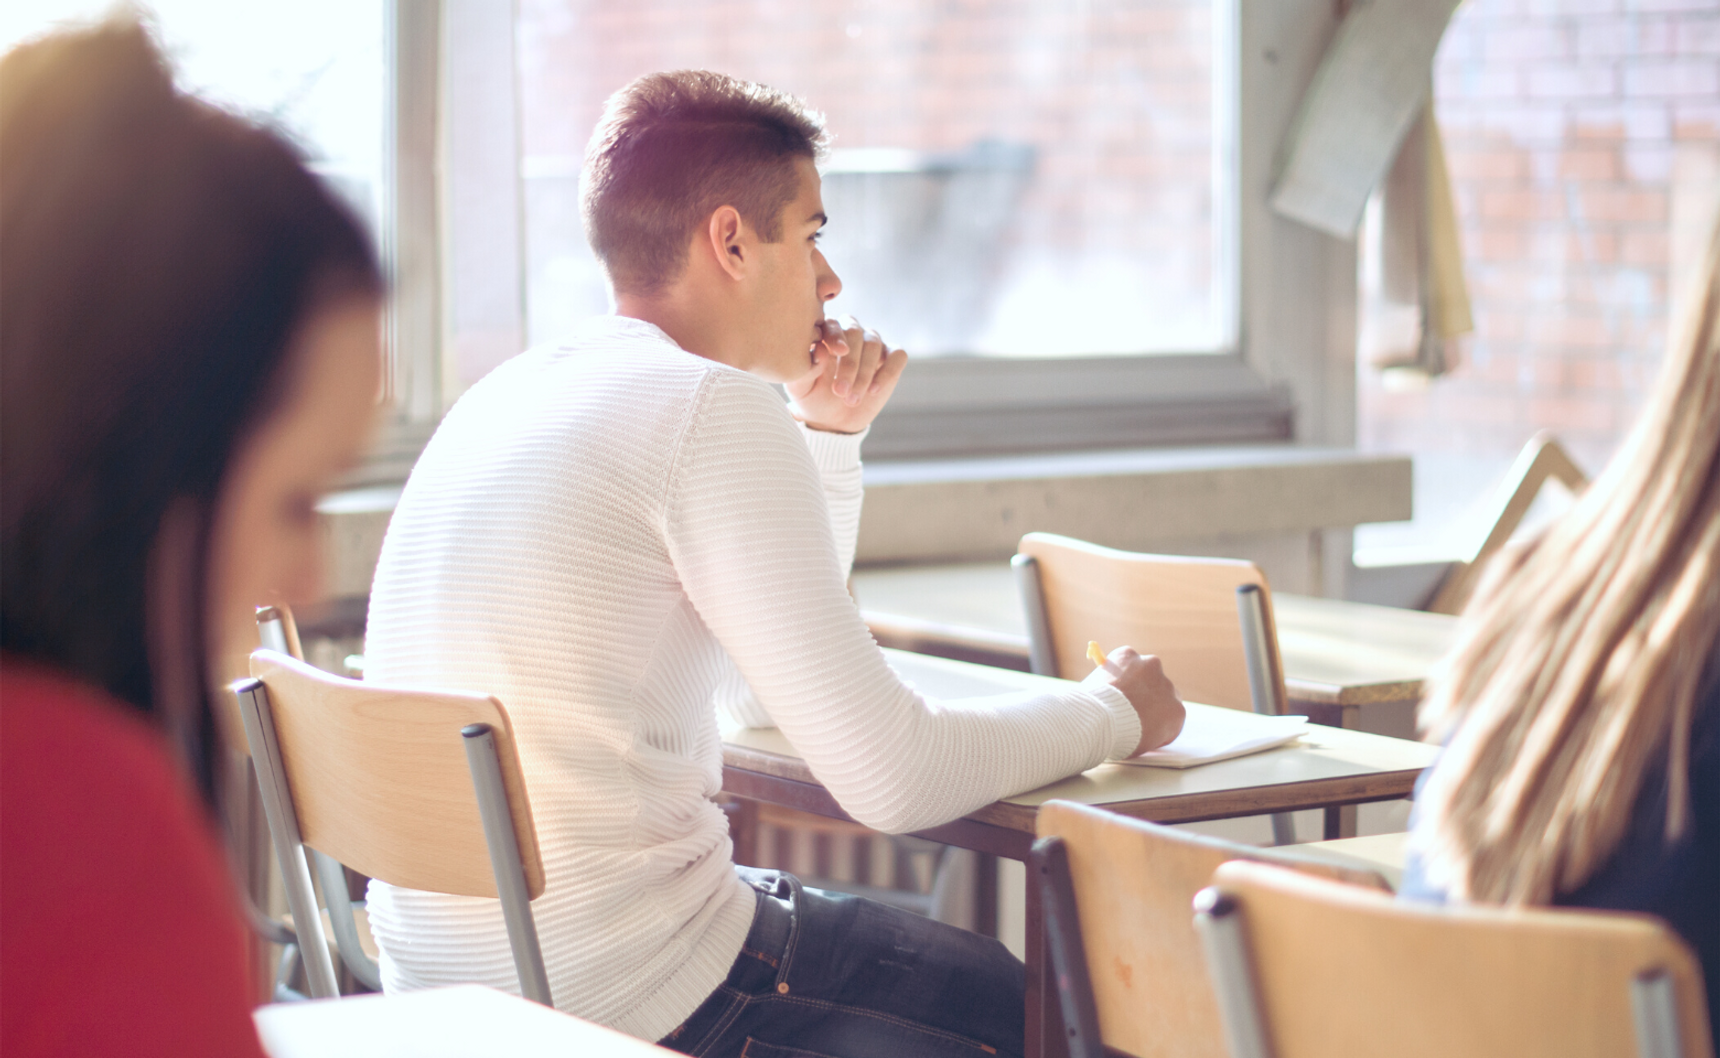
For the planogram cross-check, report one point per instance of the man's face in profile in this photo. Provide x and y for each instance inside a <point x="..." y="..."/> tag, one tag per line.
<point x="794" y="282"/>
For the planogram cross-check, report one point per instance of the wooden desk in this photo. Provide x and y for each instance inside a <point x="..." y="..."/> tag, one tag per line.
<point x="1339" y="657"/>
<point x="1328" y="767"/>
<point x="465" y="1021"/>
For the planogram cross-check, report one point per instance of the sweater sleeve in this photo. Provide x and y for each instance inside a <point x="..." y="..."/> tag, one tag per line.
<point x="747" y="525"/>
<point x="837" y="459"/>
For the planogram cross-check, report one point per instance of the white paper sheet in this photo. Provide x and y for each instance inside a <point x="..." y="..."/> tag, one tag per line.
<point x="1210" y="735"/>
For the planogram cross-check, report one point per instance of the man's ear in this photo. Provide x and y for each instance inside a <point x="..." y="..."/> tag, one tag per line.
<point x="730" y="241"/>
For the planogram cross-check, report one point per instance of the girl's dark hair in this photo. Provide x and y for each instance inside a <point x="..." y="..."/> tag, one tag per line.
<point x="156" y="258"/>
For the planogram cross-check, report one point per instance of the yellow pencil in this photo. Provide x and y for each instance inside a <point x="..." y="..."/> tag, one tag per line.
<point x="1095" y="655"/>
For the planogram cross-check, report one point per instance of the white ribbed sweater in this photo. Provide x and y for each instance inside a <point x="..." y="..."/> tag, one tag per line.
<point x="592" y="534"/>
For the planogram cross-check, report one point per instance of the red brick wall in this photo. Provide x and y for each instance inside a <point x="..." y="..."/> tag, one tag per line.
<point x="1563" y="119"/>
<point x="1564" y="122"/>
<point x="1114" y="95"/>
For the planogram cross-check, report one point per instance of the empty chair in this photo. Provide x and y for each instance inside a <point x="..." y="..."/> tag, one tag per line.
<point x="1208" y="619"/>
<point x="1304" y="967"/>
<point x="421" y="789"/>
<point x="1128" y="963"/>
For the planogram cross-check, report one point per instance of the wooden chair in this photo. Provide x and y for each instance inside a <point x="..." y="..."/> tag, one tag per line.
<point x="1304" y="967"/>
<point x="1542" y="458"/>
<point x="1183" y="609"/>
<point x="1209" y="620"/>
<point x="421" y="789"/>
<point x="1118" y="894"/>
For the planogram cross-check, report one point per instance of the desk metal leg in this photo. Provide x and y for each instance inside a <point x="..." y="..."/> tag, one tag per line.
<point x="985" y="894"/>
<point x="1340" y="821"/>
<point x="1345" y="824"/>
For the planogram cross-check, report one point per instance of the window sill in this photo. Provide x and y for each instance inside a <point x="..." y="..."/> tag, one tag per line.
<point x="976" y="509"/>
<point x="1137" y="499"/>
<point x="949" y="407"/>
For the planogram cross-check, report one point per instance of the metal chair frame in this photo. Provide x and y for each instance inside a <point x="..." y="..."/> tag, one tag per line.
<point x="276" y="633"/>
<point x="1259" y="649"/>
<point x="1050" y="866"/>
<point x="290" y="850"/>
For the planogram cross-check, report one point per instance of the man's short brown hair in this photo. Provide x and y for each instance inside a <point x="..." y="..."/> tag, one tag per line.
<point x="673" y="147"/>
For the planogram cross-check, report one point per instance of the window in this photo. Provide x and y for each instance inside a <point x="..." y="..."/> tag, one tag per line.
<point x="322" y="73"/>
<point x="317" y="71"/>
<point x="313" y="69"/>
<point x="1040" y="200"/>
<point x="1028" y="179"/>
<point x="1095" y="152"/>
<point x="1583" y="209"/>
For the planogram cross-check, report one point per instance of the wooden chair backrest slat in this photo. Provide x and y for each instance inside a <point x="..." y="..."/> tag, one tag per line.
<point x="1179" y="608"/>
<point x="1134" y="885"/>
<point x="1343" y="971"/>
<point x="1542" y="458"/>
<point x="380" y="782"/>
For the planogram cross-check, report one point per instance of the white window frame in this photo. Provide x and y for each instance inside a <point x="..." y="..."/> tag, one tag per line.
<point x="411" y="242"/>
<point x="1286" y="293"/>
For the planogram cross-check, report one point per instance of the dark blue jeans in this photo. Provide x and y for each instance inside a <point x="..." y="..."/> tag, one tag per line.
<point x="828" y="975"/>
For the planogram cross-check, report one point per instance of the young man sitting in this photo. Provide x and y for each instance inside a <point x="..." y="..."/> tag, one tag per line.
<point x="620" y="535"/>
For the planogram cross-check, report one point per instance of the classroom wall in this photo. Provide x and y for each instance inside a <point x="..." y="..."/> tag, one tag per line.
<point x="1583" y="138"/>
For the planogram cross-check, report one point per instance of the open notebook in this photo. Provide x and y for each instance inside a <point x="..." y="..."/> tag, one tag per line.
<point x="1219" y="734"/>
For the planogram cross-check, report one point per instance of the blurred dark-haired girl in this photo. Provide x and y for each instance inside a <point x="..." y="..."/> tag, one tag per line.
<point x="188" y="357"/>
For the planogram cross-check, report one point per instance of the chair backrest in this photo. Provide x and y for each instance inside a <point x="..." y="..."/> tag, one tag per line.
<point x="1134" y="884"/>
<point x="380" y="779"/>
<point x="1182" y="609"/>
<point x="1542" y="458"/>
<point x="1336" y="970"/>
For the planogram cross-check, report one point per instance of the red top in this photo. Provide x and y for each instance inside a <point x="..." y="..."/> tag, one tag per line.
<point x="119" y="924"/>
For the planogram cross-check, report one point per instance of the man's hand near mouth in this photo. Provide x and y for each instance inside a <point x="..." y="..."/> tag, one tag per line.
<point x="852" y="376"/>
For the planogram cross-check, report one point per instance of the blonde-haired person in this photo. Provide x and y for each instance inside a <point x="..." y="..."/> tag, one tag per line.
<point x="1580" y="709"/>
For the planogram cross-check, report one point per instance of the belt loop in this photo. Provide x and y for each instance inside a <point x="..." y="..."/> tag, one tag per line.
<point x="776" y="922"/>
<point x="795" y="905"/>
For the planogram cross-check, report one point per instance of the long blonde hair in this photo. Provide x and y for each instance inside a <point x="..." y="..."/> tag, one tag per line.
<point x="1580" y="660"/>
